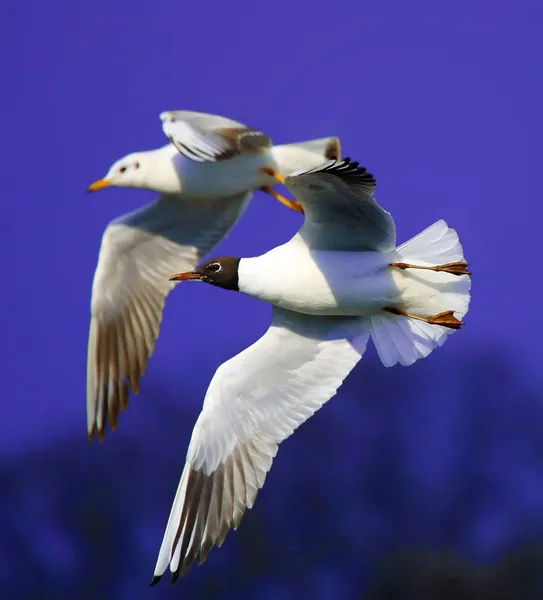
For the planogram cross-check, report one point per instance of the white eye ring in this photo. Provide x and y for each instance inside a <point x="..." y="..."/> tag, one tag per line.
<point x="215" y="267"/>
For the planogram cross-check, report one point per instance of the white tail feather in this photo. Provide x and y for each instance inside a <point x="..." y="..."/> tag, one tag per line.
<point x="403" y="340"/>
<point x="437" y="244"/>
<point x="305" y="155"/>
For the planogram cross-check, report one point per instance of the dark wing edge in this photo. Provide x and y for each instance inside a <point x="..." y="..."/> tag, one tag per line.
<point x="242" y="140"/>
<point x="350" y="172"/>
<point x="138" y="253"/>
<point x="214" y="143"/>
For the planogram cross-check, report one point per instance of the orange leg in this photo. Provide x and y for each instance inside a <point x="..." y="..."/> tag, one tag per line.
<point x="273" y="173"/>
<point x="454" y="268"/>
<point x="445" y="319"/>
<point x="292" y="204"/>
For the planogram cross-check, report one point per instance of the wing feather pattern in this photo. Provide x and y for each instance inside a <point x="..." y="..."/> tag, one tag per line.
<point x="139" y="252"/>
<point x="209" y="138"/>
<point x="254" y="401"/>
<point x="340" y="210"/>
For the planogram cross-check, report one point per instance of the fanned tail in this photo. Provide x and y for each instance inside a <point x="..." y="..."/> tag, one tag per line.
<point x="404" y="340"/>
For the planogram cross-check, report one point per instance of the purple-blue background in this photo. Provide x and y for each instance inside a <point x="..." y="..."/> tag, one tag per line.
<point x="442" y="102"/>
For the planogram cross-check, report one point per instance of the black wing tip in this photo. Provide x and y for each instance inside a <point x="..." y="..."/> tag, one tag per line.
<point x="175" y="577"/>
<point x="350" y="168"/>
<point x="345" y="168"/>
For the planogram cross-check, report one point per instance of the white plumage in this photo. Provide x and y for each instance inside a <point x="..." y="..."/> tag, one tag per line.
<point x="339" y="281"/>
<point x="205" y="179"/>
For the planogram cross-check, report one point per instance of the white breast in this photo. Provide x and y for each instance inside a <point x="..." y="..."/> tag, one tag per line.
<point x="225" y="178"/>
<point x="319" y="282"/>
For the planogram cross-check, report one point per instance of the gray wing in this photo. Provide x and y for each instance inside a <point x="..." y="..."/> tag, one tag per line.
<point x="138" y="254"/>
<point x="340" y="210"/>
<point x="211" y="138"/>
<point x="254" y="401"/>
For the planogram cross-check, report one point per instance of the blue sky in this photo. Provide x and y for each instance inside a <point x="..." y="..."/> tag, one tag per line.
<point x="440" y="101"/>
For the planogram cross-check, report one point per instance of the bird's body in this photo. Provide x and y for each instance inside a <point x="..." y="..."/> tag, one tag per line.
<point x="238" y="175"/>
<point x="320" y="282"/>
<point x="338" y="282"/>
<point x="205" y="178"/>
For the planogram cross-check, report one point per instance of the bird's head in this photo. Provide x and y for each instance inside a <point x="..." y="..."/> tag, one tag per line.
<point x="222" y="272"/>
<point x="129" y="171"/>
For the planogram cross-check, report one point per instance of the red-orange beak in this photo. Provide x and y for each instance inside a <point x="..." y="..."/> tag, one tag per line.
<point x="185" y="276"/>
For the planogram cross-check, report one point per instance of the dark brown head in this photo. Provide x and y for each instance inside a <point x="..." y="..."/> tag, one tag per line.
<point x="222" y="272"/>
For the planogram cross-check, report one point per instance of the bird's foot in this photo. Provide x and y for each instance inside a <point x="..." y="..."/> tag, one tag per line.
<point x="454" y="268"/>
<point x="445" y="319"/>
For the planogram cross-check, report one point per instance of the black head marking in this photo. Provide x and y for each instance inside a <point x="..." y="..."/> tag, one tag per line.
<point x="222" y="272"/>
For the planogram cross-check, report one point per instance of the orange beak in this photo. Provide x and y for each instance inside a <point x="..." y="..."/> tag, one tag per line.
<point x="185" y="276"/>
<point x="100" y="184"/>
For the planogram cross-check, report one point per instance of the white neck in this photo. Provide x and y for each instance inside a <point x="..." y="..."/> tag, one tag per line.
<point x="161" y="175"/>
<point x="264" y="277"/>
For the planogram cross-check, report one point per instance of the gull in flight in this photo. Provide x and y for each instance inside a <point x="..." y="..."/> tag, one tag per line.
<point x="205" y="178"/>
<point x="339" y="281"/>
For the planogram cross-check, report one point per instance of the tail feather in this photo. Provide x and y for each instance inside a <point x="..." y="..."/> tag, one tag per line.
<point x="437" y="244"/>
<point x="305" y="155"/>
<point x="400" y="339"/>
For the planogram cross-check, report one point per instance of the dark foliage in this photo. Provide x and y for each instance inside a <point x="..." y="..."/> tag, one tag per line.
<point x="394" y="463"/>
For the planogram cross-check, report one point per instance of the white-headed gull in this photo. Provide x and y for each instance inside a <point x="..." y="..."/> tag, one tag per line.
<point x="205" y="179"/>
<point x="339" y="281"/>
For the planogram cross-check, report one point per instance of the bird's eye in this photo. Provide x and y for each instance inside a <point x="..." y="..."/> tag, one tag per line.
<point x="136" y="165"/>
<point x="122" y="169"/>
<point x="214" y="267"/>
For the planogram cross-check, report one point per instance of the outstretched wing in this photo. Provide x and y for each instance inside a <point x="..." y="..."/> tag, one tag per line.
<point x="139" y="252"/>
<point x="210" y="138"/>
<point x="340" y="210"/>
<point x="254" y="401"/>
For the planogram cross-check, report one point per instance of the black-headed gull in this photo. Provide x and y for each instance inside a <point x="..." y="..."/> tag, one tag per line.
<point x="205" y="179"/>
<point x="339" y="281"/>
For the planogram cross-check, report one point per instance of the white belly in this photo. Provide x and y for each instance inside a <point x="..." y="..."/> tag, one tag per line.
<point x="320" y="282"/>
<point x="227" y="178"/>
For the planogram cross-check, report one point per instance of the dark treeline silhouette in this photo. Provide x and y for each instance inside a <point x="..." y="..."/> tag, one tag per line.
<point x="416" y="483"/>
<point x="444" y="575"/>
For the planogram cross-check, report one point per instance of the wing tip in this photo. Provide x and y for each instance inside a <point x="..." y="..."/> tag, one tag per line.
<point x="332" y="150"/>
<point x="175" y="576"/>
<point x="99" y="433"/>
<point x="155" y="579"/>
<point x="167" y="116"/>
<point x="344" y="169"/>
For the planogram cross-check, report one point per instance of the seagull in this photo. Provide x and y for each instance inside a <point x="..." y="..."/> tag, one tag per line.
<point x="339" y="281"/>
<point x="205" y="178"/>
